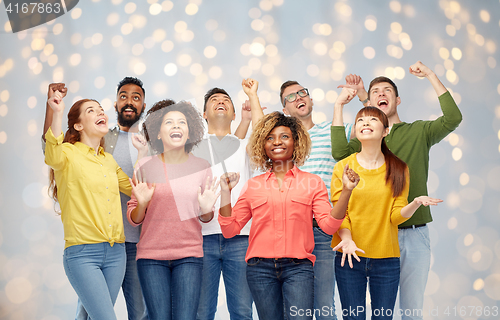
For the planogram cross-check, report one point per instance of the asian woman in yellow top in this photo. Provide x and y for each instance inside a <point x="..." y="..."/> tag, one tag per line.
<point x="86" y="182"/>
<point x="378" y="204"/>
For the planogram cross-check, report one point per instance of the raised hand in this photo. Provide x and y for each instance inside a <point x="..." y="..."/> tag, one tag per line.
<point x="229" y="180"/>
<point x="246" y="111"/>
<point x="349" y="249"/>
<point x="350" y="178"/>
<point x="250" y="86"/>
<point x="209" y="196"/>
<point x="139" y="142"/>
<point x="142" y="190"/>
<point x="345" y="96"/>
<point x="56" y="102"/>
<point x="427" y="201"/>
<point x="353" y="81"/>
<point x="420" y="70"/>
<point x="53" y="87"/>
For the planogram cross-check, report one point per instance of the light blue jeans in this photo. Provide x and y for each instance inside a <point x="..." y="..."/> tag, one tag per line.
<point x="324" y="276"/>
<point x="171" y="288"/>
<point x="415" y="248"/>
<point x="136" y="307"/>
<point x="226" y="256"/>
<point x="96" y="273"/>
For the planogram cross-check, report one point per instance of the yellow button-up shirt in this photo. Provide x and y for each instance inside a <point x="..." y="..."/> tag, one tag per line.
<point x="88" y="189"/>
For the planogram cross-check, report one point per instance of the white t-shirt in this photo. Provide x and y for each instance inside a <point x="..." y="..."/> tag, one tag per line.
<point x="226" y="155"/>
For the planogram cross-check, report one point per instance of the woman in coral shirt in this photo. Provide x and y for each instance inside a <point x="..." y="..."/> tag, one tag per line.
<point x="281" y="203"/>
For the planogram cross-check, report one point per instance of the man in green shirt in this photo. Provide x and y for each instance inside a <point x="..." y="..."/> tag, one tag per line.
<point x="411" y="142"/>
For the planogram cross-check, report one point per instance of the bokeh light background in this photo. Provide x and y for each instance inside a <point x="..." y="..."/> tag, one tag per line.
<point x="181" y="49"/>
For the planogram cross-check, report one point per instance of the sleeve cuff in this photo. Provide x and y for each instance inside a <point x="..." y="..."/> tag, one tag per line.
<point x="50" y="138"/>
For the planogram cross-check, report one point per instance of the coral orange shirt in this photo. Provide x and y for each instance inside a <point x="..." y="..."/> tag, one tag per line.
<point x="281" y="219"/>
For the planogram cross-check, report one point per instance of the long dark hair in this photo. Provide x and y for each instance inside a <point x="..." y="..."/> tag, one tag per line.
<point x="72" y="135"/>
<point x="396" y="169"/>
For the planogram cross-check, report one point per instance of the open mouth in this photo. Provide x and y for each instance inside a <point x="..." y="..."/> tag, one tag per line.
<point x="220" y="107"/>
<point x="383" y="102"/>
<point x="366" y="130"/>
<point x="176" y="135"/>
<point x="101" y="121"/>
<point x="278" y="150"/>
<point x="301" y="105"/>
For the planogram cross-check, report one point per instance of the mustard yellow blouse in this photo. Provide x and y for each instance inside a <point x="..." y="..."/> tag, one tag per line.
<point x="88" y="189"/>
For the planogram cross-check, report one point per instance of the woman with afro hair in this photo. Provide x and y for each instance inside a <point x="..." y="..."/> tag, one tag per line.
<point x="281" y="203"/>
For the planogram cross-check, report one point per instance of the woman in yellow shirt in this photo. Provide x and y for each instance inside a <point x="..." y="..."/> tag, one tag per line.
<point x="86" y="181"/>
<point x="378" y="204"/>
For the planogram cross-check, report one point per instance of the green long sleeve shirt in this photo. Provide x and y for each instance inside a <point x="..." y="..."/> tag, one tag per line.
<point x="411" y="142"/>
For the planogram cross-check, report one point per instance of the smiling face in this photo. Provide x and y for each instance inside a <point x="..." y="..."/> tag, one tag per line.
<point x="300" y="108"/>
<point x="129" y="104"/>
<point x="174" y="130"/>
<point x="383" y="96"/>
<point x="92" y="121"/>
<point x="279" y="144"/>
<point x="370" y="127"/>
<point x="218" y="106"/>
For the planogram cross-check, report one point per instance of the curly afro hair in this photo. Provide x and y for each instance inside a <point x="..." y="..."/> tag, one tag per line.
<point x="154" y="118"/>
<point x="302" y="142"/>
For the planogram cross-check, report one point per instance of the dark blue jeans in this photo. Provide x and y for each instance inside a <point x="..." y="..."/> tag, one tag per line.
<point x="171" y="288"/>
<point x="226" y="256"/>
<point x="383" y="278"/>
<point x="282" y="286"/>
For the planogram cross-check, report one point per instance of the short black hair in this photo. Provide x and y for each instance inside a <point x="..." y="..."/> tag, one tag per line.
<point x="131" y="80"/>
<point x="213" y="91"/>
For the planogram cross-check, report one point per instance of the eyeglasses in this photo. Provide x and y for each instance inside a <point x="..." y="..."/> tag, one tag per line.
<point x="293" y="96"/>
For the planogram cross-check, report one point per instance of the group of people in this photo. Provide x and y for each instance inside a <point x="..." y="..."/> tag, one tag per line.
<point x="275" y="214"/>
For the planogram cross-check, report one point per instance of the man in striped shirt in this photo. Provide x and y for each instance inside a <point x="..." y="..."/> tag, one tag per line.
<point x="298" y="103"/>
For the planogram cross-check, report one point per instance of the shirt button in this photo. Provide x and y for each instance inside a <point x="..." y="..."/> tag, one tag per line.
<point x="109" y="225"/>
<point x="106" y="187"/>
<point x="109" y="212"/>
<point x="104" y="176"/>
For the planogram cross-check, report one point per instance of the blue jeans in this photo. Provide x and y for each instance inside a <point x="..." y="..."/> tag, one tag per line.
<point x="282" y="286"/>
<point x="96" y="272"/>
<point x="171" y="288"/>
<point x="136" y="307"/>
<point x="226" y="256"/>
<point x="415" y="248"/>
<point x="324" y="276"/>
<point x="383" y="285"/>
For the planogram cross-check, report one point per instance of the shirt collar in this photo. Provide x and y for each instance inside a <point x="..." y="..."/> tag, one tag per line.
<point x="86" y="149"/>
<point x="294" y="171"/>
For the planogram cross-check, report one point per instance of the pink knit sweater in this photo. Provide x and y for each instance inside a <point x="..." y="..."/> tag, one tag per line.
<point x="171" y="229"/>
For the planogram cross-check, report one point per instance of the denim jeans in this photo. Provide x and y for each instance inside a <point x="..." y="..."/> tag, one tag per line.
<point x="415" y="248"/>
<point x="282" y="286"/>
<point x="171" y="288"/>
<point x="324" y="276"/>
<point x="136" y="306"/>
<point x="96" y="273"/>
<point x="226" y="256"/>
<point x="383" y="275"/>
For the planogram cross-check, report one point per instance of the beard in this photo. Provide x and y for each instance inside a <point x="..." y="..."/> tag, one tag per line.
<point x="127" y="121"/>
